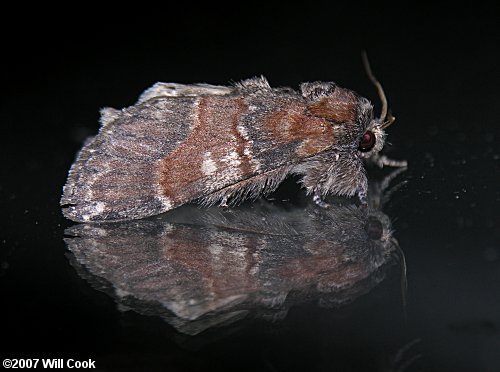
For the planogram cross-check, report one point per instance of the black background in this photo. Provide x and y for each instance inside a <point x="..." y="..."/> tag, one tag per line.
<point x="439" y="68"/>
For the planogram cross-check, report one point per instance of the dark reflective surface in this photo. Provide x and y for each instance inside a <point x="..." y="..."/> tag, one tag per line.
<point x="439" y="68"/>
<point x="200" y="268"/>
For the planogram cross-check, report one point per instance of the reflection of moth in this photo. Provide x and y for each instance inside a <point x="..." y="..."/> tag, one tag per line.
<point x="201" y="267"/>
<point x="220" y="145"/>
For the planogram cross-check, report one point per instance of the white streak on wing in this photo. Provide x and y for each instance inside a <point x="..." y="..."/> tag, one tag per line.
<point x="208" y="166"/>
<point x="94" y="210"/>
<point x="228" y="170"/>
<point x="99" y="208"/>
<point x="232" y="159"/>
<point x="243" y="132"/>
<point x="247" y="151"/>
<point x="165" y="201"/>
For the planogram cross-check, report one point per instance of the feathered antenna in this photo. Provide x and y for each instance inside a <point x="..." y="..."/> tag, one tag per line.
<point x="384" y="113"/>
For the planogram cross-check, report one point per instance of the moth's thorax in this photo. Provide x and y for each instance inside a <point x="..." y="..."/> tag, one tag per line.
<point x="348" y="113"/>
<point x="341" y="106"/>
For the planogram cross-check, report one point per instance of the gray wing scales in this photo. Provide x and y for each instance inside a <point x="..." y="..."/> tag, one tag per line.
<point x="115" y="176"/>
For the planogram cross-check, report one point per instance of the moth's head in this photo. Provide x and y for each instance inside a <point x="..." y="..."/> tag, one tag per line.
<point x="354" y="127"/>
<point x="373" y="138"/>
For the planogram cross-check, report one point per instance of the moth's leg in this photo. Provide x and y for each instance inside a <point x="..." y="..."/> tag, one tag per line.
<point x="318" y="200"/>
<point x="383" y="160"/>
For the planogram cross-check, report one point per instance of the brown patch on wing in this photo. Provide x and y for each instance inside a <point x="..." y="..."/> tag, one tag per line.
<point x="292" y="123"/>
<point x="339" y="107"/>
<point x="214" y="136"/>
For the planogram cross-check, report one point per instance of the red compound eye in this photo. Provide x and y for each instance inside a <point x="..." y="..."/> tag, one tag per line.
<point x="367" y="141"/>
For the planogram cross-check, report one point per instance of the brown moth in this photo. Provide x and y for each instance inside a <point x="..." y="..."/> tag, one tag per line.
<point x="223" y="144"/>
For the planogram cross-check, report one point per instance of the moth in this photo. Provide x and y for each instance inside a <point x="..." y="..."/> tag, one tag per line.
<point x="223" y="144"/>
